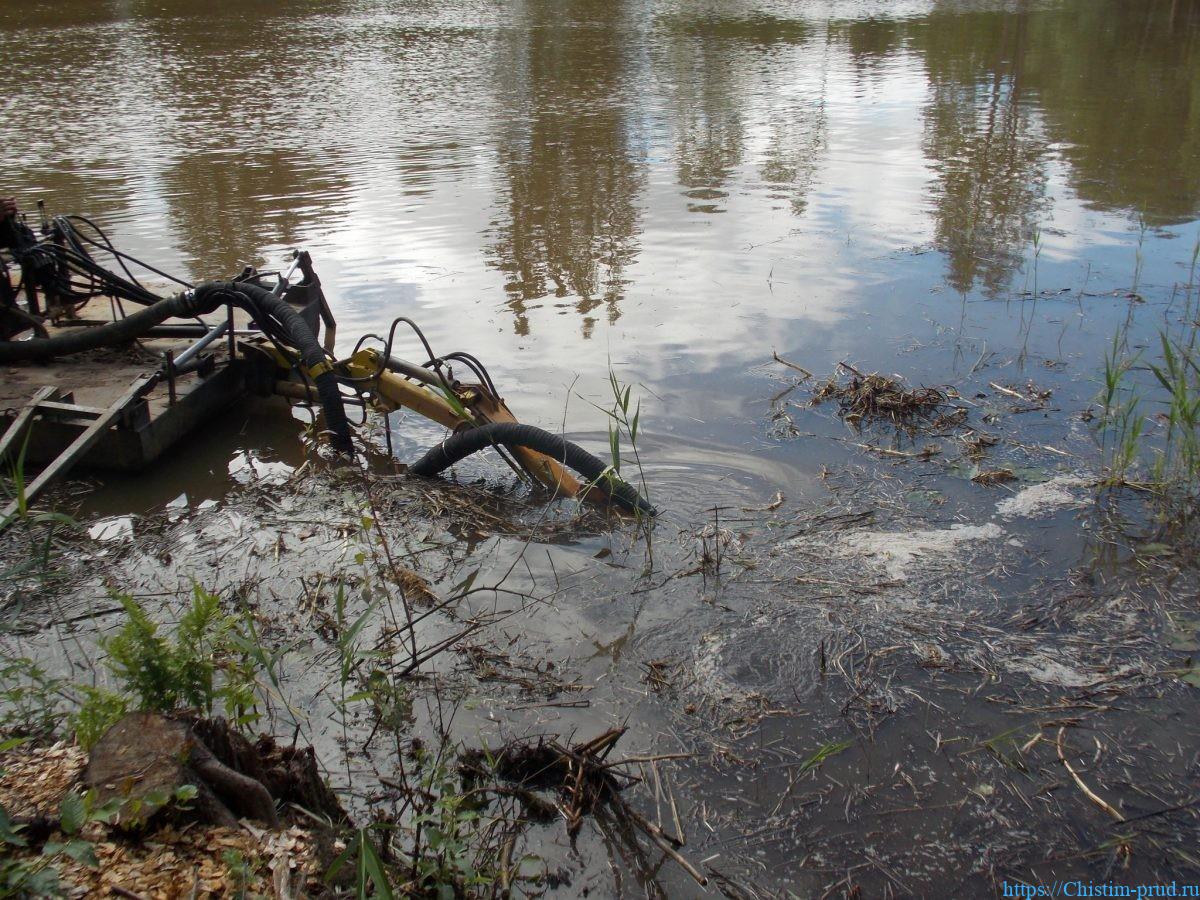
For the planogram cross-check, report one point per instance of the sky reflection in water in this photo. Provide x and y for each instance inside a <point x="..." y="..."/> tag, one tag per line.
<point x="677" y="188"/>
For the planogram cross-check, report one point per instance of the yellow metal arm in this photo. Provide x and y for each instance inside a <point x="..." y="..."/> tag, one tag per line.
<point x="393" y="392"/>
<point x="470" y="406"/>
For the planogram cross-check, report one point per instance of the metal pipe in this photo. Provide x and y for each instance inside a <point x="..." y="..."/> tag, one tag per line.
<point x="190" y="330"/>
<point x="282" y="284"/>
<point x="293" y="390"/>
<point x="169" y="365"/>
<point x="182" y="360"/>
<point x="415" y="372"/>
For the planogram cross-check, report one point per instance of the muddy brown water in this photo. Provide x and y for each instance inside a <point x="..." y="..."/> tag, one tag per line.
<point x="967" y="193"/>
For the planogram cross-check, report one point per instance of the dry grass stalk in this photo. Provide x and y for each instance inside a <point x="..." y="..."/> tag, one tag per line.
<point x="1087" y="791"/>
<point x="582" y="780"/>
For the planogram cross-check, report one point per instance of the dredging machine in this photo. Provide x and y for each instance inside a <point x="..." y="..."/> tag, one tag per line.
<point x="103" y="368"/>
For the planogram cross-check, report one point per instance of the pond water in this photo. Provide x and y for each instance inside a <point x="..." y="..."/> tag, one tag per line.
<point x="970" y="194"/>
<point x="670" y="189"/>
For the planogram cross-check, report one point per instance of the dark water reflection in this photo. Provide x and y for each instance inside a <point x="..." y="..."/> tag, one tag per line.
<point x="568" y="88"/>
<point x="671" y="187"/>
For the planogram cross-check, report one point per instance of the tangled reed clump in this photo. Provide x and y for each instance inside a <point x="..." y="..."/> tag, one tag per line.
<point x="872" y="398"/>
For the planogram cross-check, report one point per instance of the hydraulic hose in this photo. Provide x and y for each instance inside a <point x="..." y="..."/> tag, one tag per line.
<point x="114" y="334"/>
<point x="269" y="311"/>
<point x="512" y="434"/>
<point x="296" y="333"/>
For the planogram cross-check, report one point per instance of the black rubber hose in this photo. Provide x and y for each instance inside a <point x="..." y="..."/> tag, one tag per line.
<point x="258" y="301"/>
<point x="113" y="334"/>
<point x="296" y="333"/>
<point x="512" y="434"/>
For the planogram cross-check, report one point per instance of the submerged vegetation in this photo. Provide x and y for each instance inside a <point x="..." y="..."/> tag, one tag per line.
<point x="1149" y="427"/>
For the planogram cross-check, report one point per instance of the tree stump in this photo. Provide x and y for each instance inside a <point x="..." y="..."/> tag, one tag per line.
<point x="145" y="760"/>
<point x="290" y="774"/>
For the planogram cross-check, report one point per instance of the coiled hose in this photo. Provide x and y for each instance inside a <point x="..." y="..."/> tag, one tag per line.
<point x="295" y="332"/>
<point x="512" y="434"/>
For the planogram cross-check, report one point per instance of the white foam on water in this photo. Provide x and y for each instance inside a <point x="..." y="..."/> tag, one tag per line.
<point x="1039" y="500"/>
<point x="900" y="550"/>
<point x="1039" y="666"/>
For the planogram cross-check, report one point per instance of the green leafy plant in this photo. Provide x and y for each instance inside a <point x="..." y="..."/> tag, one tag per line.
<point x="448" y="851"/>
<point x="241" y="870"/>
<point x="99" y="710"/>
<point x="1139" y="258"/>
<point x="36" y="875"/>
<point x="203" y="666"/>
<point x="31" y="701"/>
<point x="1167" y="459"/>
<point x="1177" y="463"/>
<point x="1121" y="422"/>
<point x="370" y="875"/>
<point x="37" y="562"/>
<point x="624" y="421"/>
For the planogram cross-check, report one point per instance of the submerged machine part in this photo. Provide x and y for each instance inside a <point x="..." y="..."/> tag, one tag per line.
<point x="476" y="409"/>
<point x="271" y="335"/>
<point x="520" y="437"/>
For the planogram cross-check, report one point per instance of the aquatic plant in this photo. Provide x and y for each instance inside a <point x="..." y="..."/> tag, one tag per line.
<point x="1165" y="463"/>
<point x="370" y="875"/>
<point x="1176" y="464"/>
<point x="624" y="416"/>
<point x="1121" y="422"/>
<point x="37" y="562"/>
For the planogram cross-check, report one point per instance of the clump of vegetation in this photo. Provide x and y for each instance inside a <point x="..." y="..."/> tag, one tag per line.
<point x="207" y="665"/>
<point x="1176" y="463"/>
<point x="624" y="419"/>
<point x="202" y="667"/>
<point x="1122" y="423"/>
<point x="31" y="701"/>
<point x="37" y="875"/>
<point x="864" y="399"/>
<point x="164" y="673"/>
<point x="1149" y="429"/>
<point x="41" y="526"/>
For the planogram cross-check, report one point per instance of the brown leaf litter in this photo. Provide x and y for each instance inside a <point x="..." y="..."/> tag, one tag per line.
<point x="171" y="862"/>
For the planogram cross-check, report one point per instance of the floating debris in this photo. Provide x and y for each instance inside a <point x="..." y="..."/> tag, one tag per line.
<point x="1032" y="396"/>
<point x="993" y="476"/>
<point x="863" y="398"/>
<point x="977" y="443"/>
<point x="581" y="781"/>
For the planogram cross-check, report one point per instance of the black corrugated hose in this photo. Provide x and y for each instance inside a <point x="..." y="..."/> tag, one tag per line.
<point x="295" y="332"/>
<point x="114" y="334"/>
<point x="272" y="314"/>
<point x="512" y="434"/>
